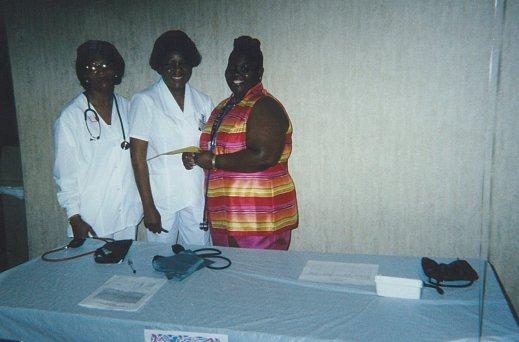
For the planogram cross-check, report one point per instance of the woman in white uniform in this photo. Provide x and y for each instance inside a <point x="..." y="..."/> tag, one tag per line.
<point x="170" y="115"/>
<point x="92" y="167"/>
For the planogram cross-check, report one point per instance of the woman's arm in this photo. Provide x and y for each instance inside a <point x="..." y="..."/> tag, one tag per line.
<point x="66" y="178"/>
<point x="265" y="139"/>
<point x="138" y="151"/>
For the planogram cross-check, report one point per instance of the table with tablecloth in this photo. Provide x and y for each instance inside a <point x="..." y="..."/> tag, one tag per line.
<point x="258" y="298"/>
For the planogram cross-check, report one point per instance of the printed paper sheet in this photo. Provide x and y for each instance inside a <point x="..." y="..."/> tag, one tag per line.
<point x="339" y="272"/>
<point x="123" y="293"/>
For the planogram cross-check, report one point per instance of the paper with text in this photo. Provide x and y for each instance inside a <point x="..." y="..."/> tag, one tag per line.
<point x="123" y="293"/>
<point x="339" y="272"/>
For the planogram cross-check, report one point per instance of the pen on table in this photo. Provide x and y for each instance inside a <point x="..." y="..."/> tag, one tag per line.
<point x="130" y="263"/>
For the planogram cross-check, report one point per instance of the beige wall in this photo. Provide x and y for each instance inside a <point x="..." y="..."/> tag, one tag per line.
<point x="398" y="146"/>
<point x="504" y="251"/>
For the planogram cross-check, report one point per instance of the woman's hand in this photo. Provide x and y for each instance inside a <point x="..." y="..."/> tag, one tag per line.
<point x="138" y="150"/>
<point x="189" y="160"/>
<point x="152" y="219"/>
<point x="80" y="228"/>
<point x="205" y="160"/>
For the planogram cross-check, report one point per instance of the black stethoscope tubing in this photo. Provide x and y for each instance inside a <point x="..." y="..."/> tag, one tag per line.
<point x="125" y="144"/>
<point x="213" y="253"/>
<point x="45" y="255"/>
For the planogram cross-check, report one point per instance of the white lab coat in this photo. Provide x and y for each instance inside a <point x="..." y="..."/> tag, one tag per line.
<point x="157" y="119"/>
<point x="95" y="176"/>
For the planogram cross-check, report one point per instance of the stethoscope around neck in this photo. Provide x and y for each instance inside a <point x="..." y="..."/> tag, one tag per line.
<point x="125" y="144"/>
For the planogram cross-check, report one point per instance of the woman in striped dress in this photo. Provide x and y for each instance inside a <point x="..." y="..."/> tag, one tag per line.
<point x="250" y="199"/>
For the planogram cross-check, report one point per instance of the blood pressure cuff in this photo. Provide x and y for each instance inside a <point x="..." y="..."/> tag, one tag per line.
<point x="112" y="252"/>
<point x="459" y="270"/>
<point x="179" y="266"/>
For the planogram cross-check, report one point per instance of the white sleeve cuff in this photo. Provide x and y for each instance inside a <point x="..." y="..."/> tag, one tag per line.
<point x="71" y="211"/>
<point x="140" y="137"/>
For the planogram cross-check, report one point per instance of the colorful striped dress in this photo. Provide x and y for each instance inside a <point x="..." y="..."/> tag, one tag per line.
<point x="243" y="204"/>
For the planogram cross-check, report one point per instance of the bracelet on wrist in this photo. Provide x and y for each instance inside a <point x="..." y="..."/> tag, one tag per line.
<point x="213" y="162"/>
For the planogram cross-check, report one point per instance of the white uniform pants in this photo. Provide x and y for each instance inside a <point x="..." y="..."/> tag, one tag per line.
<point x="183" y="227"/>
<point x="124" y="234"/>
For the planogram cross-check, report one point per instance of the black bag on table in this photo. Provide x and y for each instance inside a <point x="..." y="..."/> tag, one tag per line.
<point x="456" y="271"/>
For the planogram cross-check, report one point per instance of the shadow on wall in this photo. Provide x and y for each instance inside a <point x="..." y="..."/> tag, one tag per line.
<point x="13" y="227"/>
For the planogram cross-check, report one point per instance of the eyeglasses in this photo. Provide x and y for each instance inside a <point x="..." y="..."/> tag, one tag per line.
<point x="95" y="68"/>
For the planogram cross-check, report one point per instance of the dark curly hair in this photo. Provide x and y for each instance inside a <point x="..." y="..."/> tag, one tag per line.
<point x="174" y="41"/>
<point x="92" y="49"/>
<point x="250" y="47"/>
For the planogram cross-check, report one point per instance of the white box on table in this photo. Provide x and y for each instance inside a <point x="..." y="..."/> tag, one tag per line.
<point x="398" y="287"/>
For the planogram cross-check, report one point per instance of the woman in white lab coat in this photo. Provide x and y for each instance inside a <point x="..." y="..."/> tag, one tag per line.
<point x="92" y="167"/>
<point x="170" y="115"/>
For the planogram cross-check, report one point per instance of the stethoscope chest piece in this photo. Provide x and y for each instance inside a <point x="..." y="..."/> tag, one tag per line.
<point x="125" y="145"/>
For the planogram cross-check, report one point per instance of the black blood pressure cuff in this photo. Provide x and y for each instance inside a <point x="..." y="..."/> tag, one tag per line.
<point x="112" y="252"/>
<point x="456" y="271"/>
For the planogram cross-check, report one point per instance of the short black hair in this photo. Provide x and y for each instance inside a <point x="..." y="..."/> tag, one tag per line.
<point x="250" y="47"/>
<point x="92" y="49"/>
<point x="174" y="41"/>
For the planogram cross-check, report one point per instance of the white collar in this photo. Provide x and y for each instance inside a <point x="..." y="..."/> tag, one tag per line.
<point x="169" y="103"/>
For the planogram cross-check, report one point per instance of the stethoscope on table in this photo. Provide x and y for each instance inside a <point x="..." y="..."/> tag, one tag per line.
<point x="125" y="144"/>
<point x="75" y="243"/>
<point x="208" y="254"/>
